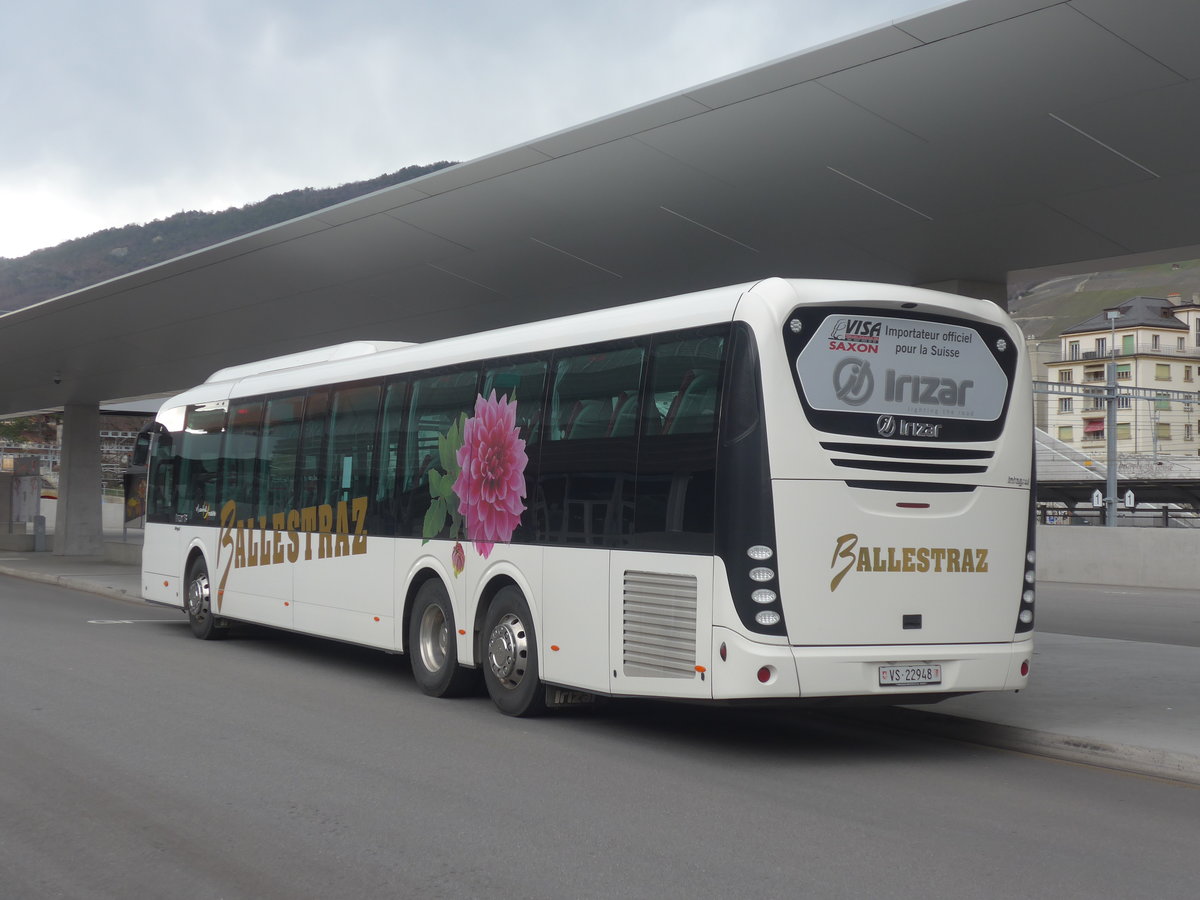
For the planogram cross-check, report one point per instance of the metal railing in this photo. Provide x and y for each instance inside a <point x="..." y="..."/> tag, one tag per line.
<point x="1166" y="517"/>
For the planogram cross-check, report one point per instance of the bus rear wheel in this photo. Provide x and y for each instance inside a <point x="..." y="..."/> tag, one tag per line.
<point x="510" y="668"/>
<point x="433" y="646"/>
<point x="198" y="603"/>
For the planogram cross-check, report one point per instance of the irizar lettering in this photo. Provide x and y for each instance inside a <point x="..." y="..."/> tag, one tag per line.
<point x="918" y="429"/>
<point x="926" y="390"/>
<point x="849" y="556"/>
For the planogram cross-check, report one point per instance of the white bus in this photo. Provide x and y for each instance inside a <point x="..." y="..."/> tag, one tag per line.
<point x="767" y="492"/>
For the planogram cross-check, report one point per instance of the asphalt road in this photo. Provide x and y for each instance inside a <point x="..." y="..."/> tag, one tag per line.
<point x="1155" y="615"/>
<point x="136" y="761"/>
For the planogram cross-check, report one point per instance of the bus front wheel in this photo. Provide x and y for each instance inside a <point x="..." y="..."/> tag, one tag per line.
<point x="510" y="668"/>
<point x="432" y="645"/>
<point x="198" y="603"/>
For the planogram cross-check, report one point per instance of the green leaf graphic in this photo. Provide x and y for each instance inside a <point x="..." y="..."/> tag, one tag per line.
<point x="435" y="519"/>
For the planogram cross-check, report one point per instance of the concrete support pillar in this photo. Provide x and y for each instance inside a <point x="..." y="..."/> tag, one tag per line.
<point x="982" y="290"/>
<point x="78" y="529"/>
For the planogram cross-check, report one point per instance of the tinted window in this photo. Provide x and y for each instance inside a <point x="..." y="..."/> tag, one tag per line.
<point x="595" y="394"/>
<point x="439" y="403"/>
<point x="388" y="459"/>
<point x="161" y="482"/>
<point x="351" y="443"/>
<point x="589" y="453"/>
<point x="240" y="460"/>
<point x="312" y="449"/>
<point x="199" y="464"/>
<point x="677" y="453"/>
<point x="686" y="384"/>
<point x="521" y="384"/>
<point x="280" y="451"/>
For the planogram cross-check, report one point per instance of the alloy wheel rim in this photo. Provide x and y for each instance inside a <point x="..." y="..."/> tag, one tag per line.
<point x="434" y="638"/>
<point x="508" y="651"/>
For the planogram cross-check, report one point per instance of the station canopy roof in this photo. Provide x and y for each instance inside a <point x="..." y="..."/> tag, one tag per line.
<point x="962" y="144"/>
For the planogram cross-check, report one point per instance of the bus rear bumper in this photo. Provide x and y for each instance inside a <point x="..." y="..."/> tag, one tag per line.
<point x="769" y="671"/>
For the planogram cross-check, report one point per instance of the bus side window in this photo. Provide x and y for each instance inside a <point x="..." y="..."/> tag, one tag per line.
<point x="312" y="449"/>
<point x="240" y="459"/>
<point x="351" y="446"/>
<point x="383" y="514"/>
<point x="677" y="455"/>
<point x="197" y="496"/>
<point x="280" y="452"/>
<point x="588" y="462"/>
<point x="524" y="384"/>
<point x="438" y="403"/>
<point x="162" y="480"/>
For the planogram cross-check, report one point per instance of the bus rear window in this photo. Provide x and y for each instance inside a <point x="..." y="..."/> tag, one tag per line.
<point x="853" y="368"/>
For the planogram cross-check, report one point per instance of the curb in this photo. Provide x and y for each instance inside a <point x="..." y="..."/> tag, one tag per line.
<point x="74" y="583"/>
<point x="1130" y="758"/>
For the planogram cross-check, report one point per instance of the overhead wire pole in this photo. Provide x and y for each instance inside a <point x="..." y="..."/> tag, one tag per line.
<point x="1110" y="432"/>
<point x="1110" y="425"/>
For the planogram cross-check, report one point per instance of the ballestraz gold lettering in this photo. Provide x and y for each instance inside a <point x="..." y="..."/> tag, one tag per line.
<point x="848" y="556"/>
<point x="341" y="530"/>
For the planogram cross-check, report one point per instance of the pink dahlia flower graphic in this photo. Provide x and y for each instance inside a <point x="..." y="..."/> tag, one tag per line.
<point x="458" y="559"/>
<point x="491" y="480"/>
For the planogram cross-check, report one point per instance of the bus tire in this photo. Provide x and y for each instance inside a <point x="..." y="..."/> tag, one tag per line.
<point x="432" y="645"/>
<point x="198" y="603"/>
<point x="510" y="659"/>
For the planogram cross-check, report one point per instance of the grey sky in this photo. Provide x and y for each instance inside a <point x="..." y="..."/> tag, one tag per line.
<point x="131" y="110"/>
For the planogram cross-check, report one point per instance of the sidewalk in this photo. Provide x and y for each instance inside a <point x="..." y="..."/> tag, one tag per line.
<point x="1121" y="704"/>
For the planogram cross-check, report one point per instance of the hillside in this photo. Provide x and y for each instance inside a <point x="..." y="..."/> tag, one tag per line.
<point x="1044" y="309"/>
<point x="113" y="252"/>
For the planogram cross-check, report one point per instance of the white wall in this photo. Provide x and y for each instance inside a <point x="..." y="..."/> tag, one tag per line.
<point x="1149" y="557"/>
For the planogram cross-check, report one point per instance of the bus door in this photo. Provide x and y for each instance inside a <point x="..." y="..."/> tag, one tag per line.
<point x="156" y="452"/>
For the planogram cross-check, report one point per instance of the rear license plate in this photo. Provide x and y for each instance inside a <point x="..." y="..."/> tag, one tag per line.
<point x="896" y="676"/>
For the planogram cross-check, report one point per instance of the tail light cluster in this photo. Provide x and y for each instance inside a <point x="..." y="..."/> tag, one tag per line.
<point x="1025" y="616"/>
<point x="765" y="597"/>
<point x="1028" y="590"/>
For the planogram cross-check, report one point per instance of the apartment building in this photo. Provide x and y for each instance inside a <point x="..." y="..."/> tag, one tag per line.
<point x="1155" y="344"/>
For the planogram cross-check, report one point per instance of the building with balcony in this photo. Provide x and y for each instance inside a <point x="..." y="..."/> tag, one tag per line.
<point x="1155" y="345"/>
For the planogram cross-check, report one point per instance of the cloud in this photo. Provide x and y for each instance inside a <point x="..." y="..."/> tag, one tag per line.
<point x="136" y="109"/>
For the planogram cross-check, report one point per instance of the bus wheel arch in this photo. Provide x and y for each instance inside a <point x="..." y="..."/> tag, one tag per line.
<point x="509" y="653"/>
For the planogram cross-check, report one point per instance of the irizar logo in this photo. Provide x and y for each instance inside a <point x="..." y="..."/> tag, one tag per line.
<point x="853" y="382"/>
<point x="890" y="426"/>
<point x="855" y="335"/>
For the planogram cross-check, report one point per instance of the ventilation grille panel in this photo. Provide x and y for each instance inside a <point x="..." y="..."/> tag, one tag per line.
<point x="658" y="625"/>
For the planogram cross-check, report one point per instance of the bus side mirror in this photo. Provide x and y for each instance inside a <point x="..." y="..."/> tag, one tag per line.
<point x="141" y="447"/>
